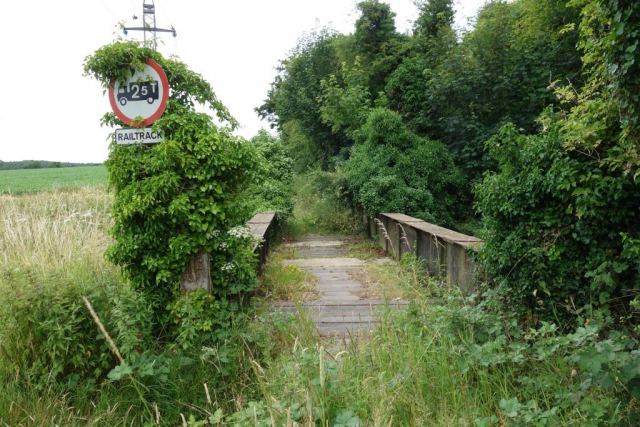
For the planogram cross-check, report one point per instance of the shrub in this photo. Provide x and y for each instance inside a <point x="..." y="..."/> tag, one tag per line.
<point x="274" y="191"/>
<point x="48" y="335"/>
<point x="560" y="226"/>
<point x="393" y="170"/>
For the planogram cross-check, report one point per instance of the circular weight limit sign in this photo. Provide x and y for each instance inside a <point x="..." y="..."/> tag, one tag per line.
<point x="144" y="94"/>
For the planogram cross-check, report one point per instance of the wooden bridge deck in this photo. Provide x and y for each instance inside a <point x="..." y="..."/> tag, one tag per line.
<point x="341" y="308"/>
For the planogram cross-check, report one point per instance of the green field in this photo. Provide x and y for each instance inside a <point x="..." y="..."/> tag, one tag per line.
<point x="33" y="180"/>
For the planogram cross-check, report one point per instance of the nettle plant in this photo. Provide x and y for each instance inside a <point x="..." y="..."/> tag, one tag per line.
<point x="179" y="197"/>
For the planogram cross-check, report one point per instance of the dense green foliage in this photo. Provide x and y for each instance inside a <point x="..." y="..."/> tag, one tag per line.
<point x="462" y="92"/>
<point x="446" y="360"/>
<point x="292" y="98"/>
<point x="558" y="197"/>
<point x="394" y="170"/>
<point x="456" y="88"/>
<point x="563" y="210"/>
<point x="181" y="197"/>
<point x="274" y="191"/>
<point x="45" y="312"/>
<point x="34" y="180"/>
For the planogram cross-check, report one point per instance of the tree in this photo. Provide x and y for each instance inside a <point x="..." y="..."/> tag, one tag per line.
<point x="461" y="93"/>
<point x="294" y="93"/>
<point x="374" y="28"/>
<point x="434" y="15"/>
<point x="376" y="43"/>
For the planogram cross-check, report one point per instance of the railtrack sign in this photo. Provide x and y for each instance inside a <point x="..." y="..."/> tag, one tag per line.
<point x="143" y="95"/>
<point x="137" y="135"/>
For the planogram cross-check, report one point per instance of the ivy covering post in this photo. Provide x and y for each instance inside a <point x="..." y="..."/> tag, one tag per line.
<point x="178" y="198"/>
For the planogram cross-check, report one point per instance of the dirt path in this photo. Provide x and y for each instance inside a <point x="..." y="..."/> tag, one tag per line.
<point x="342" y="307"/>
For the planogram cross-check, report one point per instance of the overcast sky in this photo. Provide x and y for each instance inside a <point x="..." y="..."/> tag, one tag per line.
<point x="49" y="111"/>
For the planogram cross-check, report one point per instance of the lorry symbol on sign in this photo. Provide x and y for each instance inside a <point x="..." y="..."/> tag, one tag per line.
<point x="138" y="92"/>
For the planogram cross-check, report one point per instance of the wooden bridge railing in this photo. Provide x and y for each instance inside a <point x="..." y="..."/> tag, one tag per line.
<point x="262" y="226"/>
<point x="446" y="251"/>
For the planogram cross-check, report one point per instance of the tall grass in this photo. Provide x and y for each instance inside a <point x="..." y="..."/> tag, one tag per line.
<point x="54" y="229"/>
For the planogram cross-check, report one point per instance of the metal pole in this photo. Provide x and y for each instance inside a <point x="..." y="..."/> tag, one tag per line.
<point x="149" y="24"/>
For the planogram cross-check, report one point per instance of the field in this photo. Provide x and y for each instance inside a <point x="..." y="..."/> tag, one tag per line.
<point x="33" y="180"/>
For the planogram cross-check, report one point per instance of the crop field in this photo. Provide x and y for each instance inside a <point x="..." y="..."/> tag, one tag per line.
<point x="33" y="180"/>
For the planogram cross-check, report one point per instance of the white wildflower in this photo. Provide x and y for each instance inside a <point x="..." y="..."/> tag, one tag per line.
<point x="227" y="267"/>
<point x="240" y="232"/>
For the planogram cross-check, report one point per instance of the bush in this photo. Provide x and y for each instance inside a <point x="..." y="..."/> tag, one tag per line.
<point x="393" y="170"/>
<point x="560" y="226"/>
<point x="274" y="191"/>
<point x="48" y="335"/>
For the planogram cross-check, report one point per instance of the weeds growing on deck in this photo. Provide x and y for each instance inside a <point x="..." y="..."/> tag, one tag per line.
<point x="287" y="281"/>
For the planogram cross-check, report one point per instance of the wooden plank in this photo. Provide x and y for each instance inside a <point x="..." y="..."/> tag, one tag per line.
<point x="262" y="218"/>
<point x="359" y="303"/>
<point x="320" y="310"/>
<point x="345" y="319"/>
<point x="259" y="230"/>
<point x="345" y="328"/>
<point x="253" y="228"/>
<point x="400" y="217"/>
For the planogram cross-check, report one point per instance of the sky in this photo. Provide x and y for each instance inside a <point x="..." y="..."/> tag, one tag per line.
<point x="50" y="111"/>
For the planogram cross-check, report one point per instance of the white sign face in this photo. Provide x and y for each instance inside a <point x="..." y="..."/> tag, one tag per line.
<point x="140" y="135"/>
<point x="143" y="95"/>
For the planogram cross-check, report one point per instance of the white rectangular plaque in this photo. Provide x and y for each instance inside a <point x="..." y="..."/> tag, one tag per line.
<point x="137" y="135"/>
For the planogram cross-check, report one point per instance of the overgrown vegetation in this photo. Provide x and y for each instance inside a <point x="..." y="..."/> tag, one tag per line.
<point x="508" y="117"/>
<point x="274" y="192"/>
<point x="181" y="197"/>
<point x="319" y="208"/>
<point x="562" y="211"/>
<point x="287" y="282"/>
<point x="534" y="107"/>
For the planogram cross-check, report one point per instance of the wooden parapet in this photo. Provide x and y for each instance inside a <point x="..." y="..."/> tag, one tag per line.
<point x="261" y="226"/>
<point x="447" y="252"/>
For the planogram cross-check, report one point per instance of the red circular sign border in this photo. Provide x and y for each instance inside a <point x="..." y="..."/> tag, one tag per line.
<point x="163" y="104"/>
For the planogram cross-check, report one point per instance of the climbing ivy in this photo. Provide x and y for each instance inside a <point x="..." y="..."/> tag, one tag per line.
<point x="179" y="197"/>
